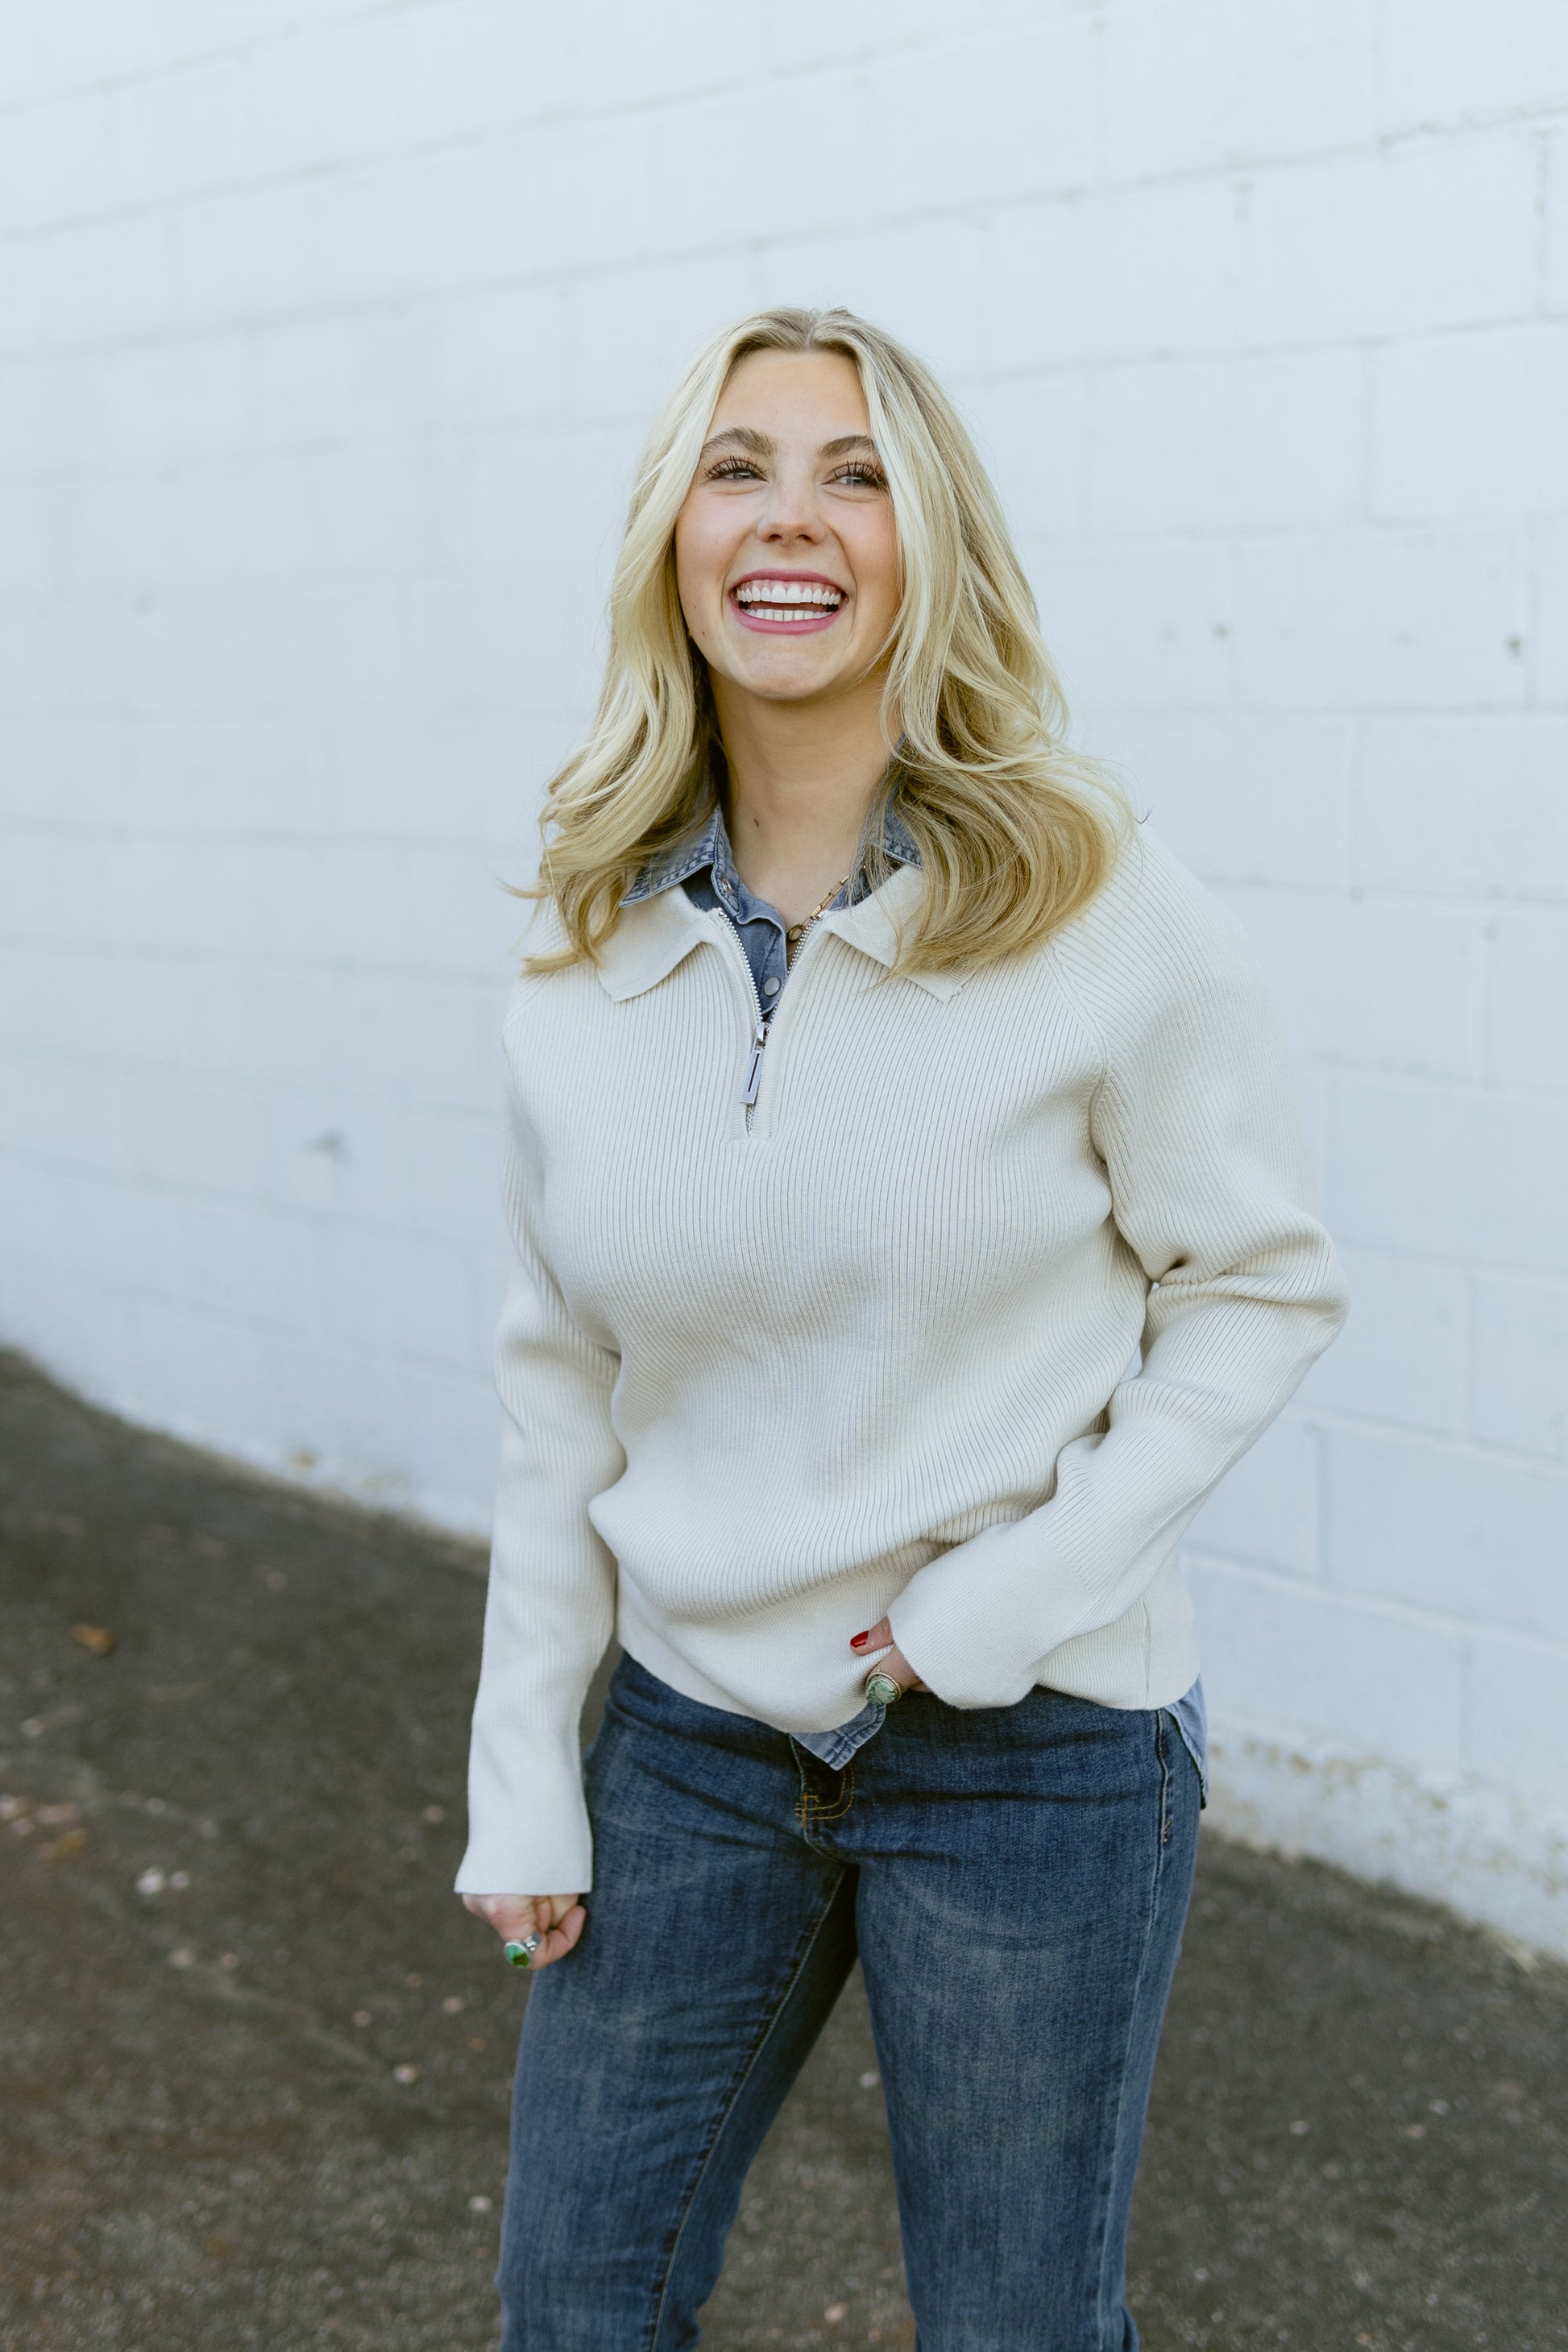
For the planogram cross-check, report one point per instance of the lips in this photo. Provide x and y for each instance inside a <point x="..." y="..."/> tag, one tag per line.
<point x="792" y="603"/>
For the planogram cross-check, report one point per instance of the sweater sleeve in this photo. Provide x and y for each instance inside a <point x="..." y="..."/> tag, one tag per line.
<point x="1196" y="1123"/>
<point x="550" y="1611"/>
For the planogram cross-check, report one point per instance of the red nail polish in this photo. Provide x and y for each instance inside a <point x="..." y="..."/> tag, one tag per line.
<point x="858" y="1640"/>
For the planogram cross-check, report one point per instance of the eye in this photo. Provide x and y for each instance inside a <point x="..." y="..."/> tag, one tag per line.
<point x="735" y="469"/>
<point x="861" y="474"/>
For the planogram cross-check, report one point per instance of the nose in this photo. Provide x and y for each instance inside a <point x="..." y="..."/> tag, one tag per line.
<point x="793" y="513"/>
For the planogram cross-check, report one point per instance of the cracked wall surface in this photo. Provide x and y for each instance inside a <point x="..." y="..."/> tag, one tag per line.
<point x="328" y="336"/>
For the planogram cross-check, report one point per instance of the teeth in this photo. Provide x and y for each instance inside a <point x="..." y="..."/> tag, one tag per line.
<point x="768" y="596"/>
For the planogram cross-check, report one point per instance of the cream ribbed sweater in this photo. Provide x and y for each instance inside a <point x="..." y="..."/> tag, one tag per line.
<point x="873" y="1343"/>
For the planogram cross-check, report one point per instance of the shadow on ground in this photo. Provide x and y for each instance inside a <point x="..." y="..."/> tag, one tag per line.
<point x="255" y="2066"/>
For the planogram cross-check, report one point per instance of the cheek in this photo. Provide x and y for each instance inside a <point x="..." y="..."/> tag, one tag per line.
<point x="705" y="536"/>
<point x="698" y="567"/>
<point x="877" y="569"/>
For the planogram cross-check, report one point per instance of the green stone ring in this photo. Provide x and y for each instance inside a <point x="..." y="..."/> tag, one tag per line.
<point x="881" y="1690"/>
<point x="520" y="1951"/>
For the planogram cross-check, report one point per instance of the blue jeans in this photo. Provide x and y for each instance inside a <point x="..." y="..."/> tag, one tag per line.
<point x="1014" y="1881"/>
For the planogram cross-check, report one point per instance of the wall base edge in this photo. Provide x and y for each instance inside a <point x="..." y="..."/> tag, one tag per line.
<point x="1498" y="1859"/>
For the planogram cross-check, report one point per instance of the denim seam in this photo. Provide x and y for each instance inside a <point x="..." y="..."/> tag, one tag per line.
<point x="1151" y="1918"/>
<point x="651" y="2341"/>
<point x="813" y="1811"/>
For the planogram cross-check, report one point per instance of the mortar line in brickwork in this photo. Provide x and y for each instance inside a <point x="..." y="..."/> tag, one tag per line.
<point x="1356" y="1601"/>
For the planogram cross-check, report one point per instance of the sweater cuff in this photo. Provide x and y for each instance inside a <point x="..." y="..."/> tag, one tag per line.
<point x="533" y="1840"/>
<point x="976" y="1621"/>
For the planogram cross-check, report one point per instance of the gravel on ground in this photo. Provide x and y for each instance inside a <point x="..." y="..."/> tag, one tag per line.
<point x="255" y="2058"/>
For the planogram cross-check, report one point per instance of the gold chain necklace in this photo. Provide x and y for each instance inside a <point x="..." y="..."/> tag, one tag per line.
<point x="797" y="931"/>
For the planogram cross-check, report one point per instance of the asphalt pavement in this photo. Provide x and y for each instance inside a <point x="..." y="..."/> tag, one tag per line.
<point x="255" y="2058"/>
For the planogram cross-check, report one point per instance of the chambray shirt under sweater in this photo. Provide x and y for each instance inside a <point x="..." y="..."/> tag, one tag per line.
<point x="773" y="1369"/>
<point x="705" y="867"/>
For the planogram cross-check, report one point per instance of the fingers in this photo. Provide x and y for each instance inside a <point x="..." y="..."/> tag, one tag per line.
<point x="508" y="1914"/>
<point x="879" y="1637"/>
<point x="897" y="1665"/>
<point x="557" y="1920"/>
<point x="557" y="1941"/>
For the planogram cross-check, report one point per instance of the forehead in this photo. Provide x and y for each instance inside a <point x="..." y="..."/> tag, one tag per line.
<point x="811" y="394"/>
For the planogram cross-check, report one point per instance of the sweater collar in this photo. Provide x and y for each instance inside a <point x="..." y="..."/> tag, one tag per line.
<point x="874" y="925"/>
<point x="655" y="934"/>
<point x="651" y="938"/>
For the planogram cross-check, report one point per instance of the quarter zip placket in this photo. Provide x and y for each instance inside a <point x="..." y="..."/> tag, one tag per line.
<point x="750" y="1087"/>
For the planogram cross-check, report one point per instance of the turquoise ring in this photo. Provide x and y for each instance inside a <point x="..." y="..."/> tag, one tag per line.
<point x="522" y="1949"/>
<point x="881" y="1690"/>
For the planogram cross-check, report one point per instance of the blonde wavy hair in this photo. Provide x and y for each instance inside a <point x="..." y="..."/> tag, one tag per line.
<point x="1016" y="831"/>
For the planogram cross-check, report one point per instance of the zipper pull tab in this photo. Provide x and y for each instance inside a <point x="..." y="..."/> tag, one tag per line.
<point x="753" y="1077"/>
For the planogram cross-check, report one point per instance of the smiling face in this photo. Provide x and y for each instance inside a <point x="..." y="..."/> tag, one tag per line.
<point x="785" y="553"/>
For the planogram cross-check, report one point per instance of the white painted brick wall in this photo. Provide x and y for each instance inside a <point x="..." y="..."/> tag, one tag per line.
<point x="326" y="339"/>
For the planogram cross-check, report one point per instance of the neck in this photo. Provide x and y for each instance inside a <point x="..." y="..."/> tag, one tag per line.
<point x="802" y="781"/>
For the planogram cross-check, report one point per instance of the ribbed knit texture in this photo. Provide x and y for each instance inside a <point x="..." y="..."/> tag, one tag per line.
<point x="876" y="1345"/>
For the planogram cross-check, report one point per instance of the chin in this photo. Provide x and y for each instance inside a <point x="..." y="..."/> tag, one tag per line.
<point x="787" y="679"/>
<point x="794" y="691"/>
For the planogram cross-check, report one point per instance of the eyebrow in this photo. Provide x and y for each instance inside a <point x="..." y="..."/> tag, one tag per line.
<point x="761" y="445"/>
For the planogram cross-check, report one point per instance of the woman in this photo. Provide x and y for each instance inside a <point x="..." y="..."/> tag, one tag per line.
<point x="912" y="1225"/>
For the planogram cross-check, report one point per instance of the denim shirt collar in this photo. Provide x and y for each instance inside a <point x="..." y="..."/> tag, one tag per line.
<point x="710" y="847"/>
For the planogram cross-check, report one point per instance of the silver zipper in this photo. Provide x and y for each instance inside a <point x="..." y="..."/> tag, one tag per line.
<point x="754" y="1078"/>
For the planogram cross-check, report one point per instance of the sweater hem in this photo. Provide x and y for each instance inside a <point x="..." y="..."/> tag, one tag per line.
<point x="1090" y="1666"/>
